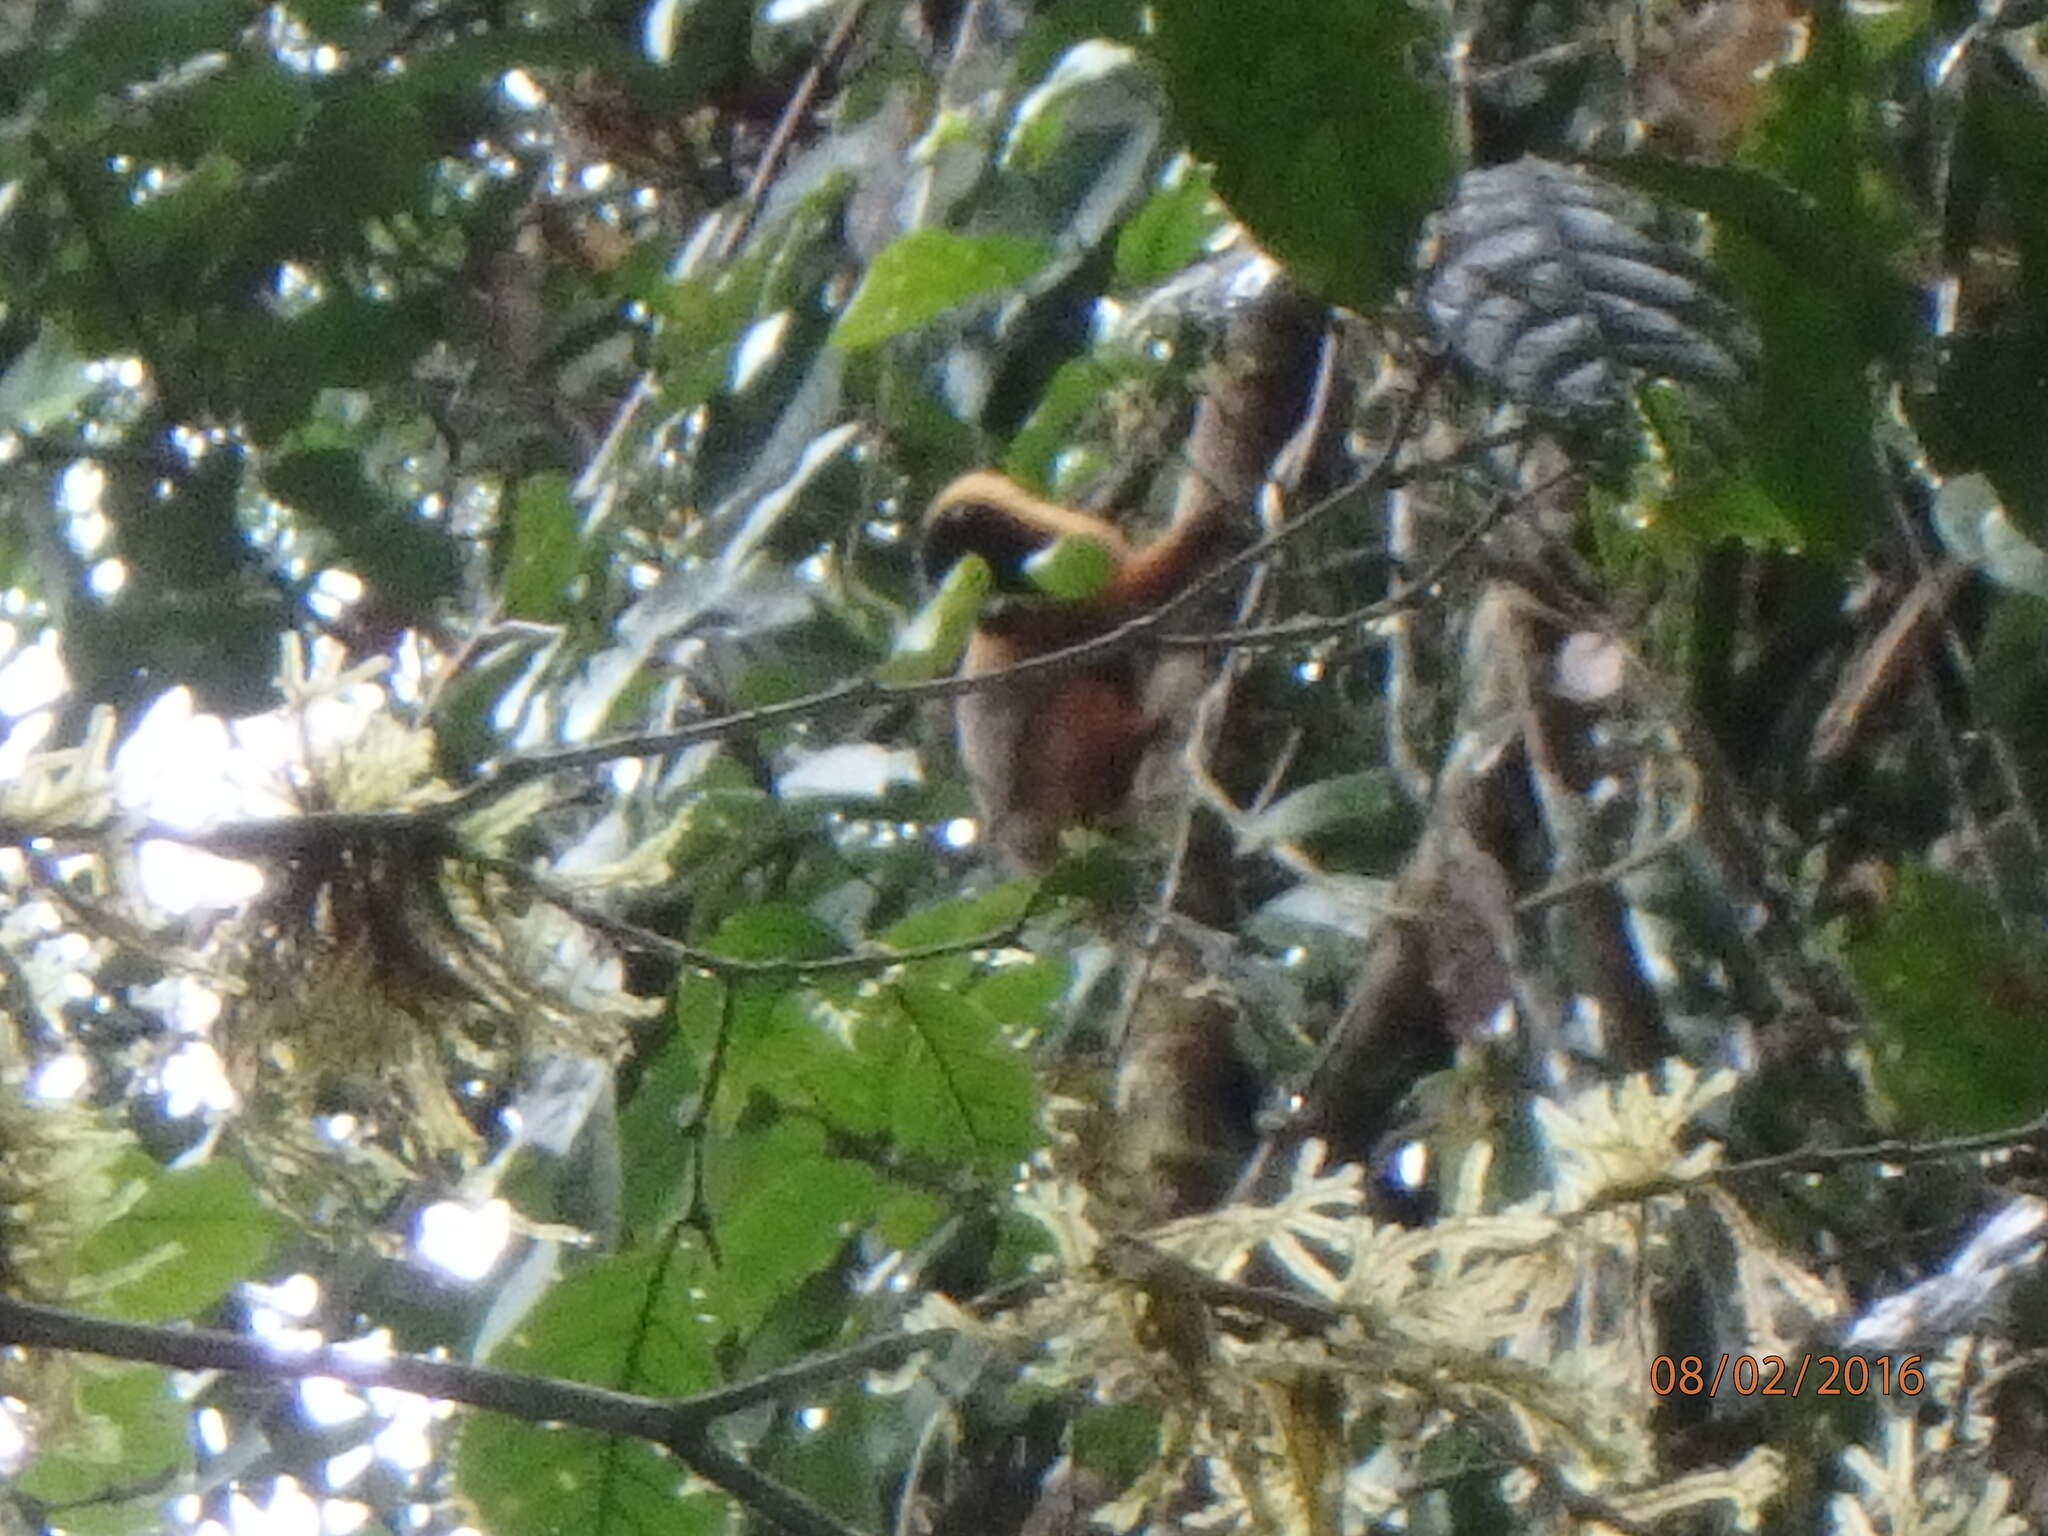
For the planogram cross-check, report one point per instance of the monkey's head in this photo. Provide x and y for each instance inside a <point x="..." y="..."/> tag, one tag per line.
<point x="991" y="516"/>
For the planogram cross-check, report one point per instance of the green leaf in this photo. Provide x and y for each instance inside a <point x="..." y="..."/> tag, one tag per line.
<point x="1172" y="228"/>
<point x="1328" y="140"/>
<point x="195" y="1233"/>
<point x="170" y="245"/>
<point x="653" y="1148"/>
<point x="921" y="275"/>
<point x="129" y="1430"/>
<point x="920" y="1066"/>
<point x="1049" y="431"/>
<point x="1810" y="448"/>
<point x="328" y="485"/>
<point x="629" y="1322"/>
<point x="1957" y="1001"/>
<point x="1713" y="493"/>
<point x="1364" y="799"/>
<point x="547" y="549"/>
<point x="775" y="931"/>
<point x="251" y="111"/>
<point x="1735" y="506"/>
<point x="969" y="917"/>
<point x="532" y="1477"/>
<point x="785" y="1208"/>
<point x="1993" y="387"/>
<point x="112" y="49"/>
<point x="1821" y="322"/>
<point x="949" y="1085"/>
<point x="45" y="382"/>
<point x="1805" y="238"/>
<point x="275" y="369"/>
<point x="1070" y="567"/>
<point x="1021" y="997"/>
<point x="933" y="641"/>
<point x="399" y="555"/>
<point x="1820" y="248"/>
<point x="634" y="1323"/>
<point x="1826" y="308"/>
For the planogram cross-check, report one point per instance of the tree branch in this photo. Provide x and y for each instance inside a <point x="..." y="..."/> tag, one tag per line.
<point x="682" y="1425"/>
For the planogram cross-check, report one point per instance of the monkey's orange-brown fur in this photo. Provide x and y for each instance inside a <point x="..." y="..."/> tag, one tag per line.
<point x="1052" y="752"/>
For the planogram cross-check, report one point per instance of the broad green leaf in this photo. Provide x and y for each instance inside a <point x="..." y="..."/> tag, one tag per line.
<point x="1958" y="1001"/>
<point x="1021" y="996"/>
<point x="1803" y="237"/>
<point x="1329" y="141"/>
<point x="1049" y="431"/>
<point x="171" y="244"/>
<point x="192" y="1236"/>
<point x="401" y="556"/>
<point x="551" y="1478"/>
<point x="1711" y="492"/>
<point x="1364" y="799"/>
<point x="1820" y="326"/>
<point x="45" y="382"/>
<point x="774" y="931"/>
<point x="834" y="1462"/>
<point x="1171" y="228"/>
<point x="1735" y="505"/>
<point x="953" y="922"/>
<point x="128" y="1431"/>
<point x="1820" y="248"/>
<point x="919" y="1065"/>
<point x="629" y="1321"/>
<point x="327" y="485"/>
<point x="933" y="641"/>
<point x="632" y="1322"/>
<point x="251" y="111"/>
<point x="275" y="369"/>
<point x="653" y="1145"/>
<point x="945" y="1081"/>
<point x="1808" y="461"/>
<point x="113" y="50"/>
<point x="921" y="275"/>
<point x="546" y="549"/>
<point x="1070" y="567"/>
<point x="1992" y="392"/>
<point x="784" y="1206"/>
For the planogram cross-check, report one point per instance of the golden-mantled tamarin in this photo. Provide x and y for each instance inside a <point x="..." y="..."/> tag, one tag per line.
<point x="1051" y="752"/>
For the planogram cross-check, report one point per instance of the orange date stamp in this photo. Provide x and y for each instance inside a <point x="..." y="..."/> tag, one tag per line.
<point x="1783" y="1376"/>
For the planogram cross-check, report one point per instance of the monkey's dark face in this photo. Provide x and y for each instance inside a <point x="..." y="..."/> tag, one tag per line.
<point x="982" y="528"/>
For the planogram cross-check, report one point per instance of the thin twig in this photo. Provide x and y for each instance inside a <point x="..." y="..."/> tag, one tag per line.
<point x="1827" y="1160"/>
<point x="634" y="937"/>
<point x="1665" y="843"/>
<point x="785" y="128"/>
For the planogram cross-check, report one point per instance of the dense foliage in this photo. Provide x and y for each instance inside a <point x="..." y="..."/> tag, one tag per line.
<point x="510" y="1018"/>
